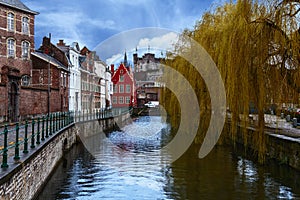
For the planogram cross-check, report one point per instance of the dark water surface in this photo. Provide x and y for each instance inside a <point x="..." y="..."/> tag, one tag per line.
<point x="123" y="170"/>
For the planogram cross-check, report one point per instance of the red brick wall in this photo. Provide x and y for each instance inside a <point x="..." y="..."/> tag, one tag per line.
<point x="35" y="101"/>
<point x="3" y="100"/>
<point x="17" y="62"/>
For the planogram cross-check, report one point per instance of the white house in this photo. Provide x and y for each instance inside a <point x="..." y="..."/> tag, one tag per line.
<point x="73" y="53"/>
<point x="103" y="73"/>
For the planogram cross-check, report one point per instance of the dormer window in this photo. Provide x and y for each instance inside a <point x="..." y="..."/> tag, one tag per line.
<point x="11" y="22"/>
<point x="25" y="25"/>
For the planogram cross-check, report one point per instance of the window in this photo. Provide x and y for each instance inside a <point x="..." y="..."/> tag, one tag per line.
<point x="65" y="79"/>
<point x="25" y="81"/>
<point x="61" y="79"/>
<point x="121" y="78"/>
<point x="127" y="100"/>
<point x="115" y="101"/>
<point x="25" y="25"/>
<point x="121" y="89"/>
<point x="11" y="22"/>
<point x="121" y="100"/>
<point x="11" y="47"/>
<point x="128" y="89"/>
<point x="25" y="49"/>
<point x="115" y="88"/>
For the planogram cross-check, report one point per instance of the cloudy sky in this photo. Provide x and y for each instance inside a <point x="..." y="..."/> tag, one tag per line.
<point x="92" y="22"/>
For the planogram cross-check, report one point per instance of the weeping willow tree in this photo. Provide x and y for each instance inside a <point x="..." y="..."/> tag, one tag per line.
<point x="255" y="45"/>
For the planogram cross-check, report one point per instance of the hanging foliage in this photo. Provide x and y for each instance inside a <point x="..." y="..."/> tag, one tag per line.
<point x="256" y="47"/>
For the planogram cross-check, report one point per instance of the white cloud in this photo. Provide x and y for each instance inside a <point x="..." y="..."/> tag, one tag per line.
<point x="114" y="59"/>
<point x="165" y="42"/>
<point x="157" y="45"/>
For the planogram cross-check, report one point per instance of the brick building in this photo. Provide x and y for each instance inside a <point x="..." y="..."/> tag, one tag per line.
<point x="147" y="74"/>
<point x="16" y="45"/>
<point x="123" y="86"/>
<point x="90" y="86"/>
<point x="50" y="73"/>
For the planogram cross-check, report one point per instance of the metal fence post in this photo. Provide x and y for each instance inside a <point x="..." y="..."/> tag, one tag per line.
<point x="17" y="150"/>
<point x="26" y="138"/>
<point x="4" y="160"/>
<point x="60" y="120"/>
<point x="47" y="128"/>
<point x="56" y="122"/>
<point x="51" y="124"/>
<point x="32" y="134"/>
<point x="38" y="132"/>
<point x="43" y="128"/>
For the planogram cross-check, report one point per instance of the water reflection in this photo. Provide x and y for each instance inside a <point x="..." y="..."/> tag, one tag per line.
<point x="130" y="173"/>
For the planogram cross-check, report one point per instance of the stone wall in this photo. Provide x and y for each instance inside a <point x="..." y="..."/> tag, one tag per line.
<point x="24" y="179"/>
<point x="284" y="149"/>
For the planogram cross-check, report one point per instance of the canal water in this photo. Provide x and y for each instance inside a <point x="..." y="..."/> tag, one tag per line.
<point x="123" y="170"/>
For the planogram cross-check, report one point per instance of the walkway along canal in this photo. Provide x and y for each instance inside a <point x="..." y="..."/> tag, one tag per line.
<point x="31" y="154"/>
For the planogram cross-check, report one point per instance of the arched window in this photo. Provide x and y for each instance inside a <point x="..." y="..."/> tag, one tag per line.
<point x="11" y="47"/>
<point x="11" y="22"/>
<point x="25" y="81"/>
<point x="25" y="49"/>
<point x="25" y="25"/>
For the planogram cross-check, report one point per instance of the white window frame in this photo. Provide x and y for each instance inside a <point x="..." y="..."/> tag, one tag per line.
<point x="122" y="78"/>
<point x="121" y="100"/>
<point x="25" y="25"/>
<point x="25" y="49"/>
<point x="128" y="88"/>
<point x="121" y="88"/>
<point x="10" y="21"/>
<point x="115" y="100"/>
<point x="11" y="47"/>
<point x="25" y="80"/>
<point x="127" y="100"/>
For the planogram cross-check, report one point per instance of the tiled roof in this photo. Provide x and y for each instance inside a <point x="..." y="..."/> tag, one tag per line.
<point x="50" y="59"/>
<point x="17" y="5"/>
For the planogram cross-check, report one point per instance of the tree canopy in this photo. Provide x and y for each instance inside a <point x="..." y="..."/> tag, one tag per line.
<point x="256" y="47"/>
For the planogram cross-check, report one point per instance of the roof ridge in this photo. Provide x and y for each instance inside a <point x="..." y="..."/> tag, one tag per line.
<point x="18" y="5"/>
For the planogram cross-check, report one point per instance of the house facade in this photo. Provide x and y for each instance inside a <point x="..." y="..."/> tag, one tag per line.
<point x="147" y="73"/>
<point x="50" y="73"/>
<point x="17" y="43"/>
<point x="73" y="54"/>
<point x="123" y="87"/>
<point x="103" y="75"/>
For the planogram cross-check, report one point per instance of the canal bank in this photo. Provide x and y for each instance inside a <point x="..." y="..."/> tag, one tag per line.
<point x="282" y="145"/>
<point x="23" y="178"/>
<point x="123" y="170"/>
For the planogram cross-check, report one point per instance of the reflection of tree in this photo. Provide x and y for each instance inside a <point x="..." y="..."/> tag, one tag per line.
<point x="256" y="47"/>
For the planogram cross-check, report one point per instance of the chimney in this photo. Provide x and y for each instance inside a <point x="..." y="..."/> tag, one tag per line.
<point x="61" y="43"/>
<point x="112" y="68"/>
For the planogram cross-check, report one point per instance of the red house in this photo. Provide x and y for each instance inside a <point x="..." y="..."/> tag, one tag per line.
<point x="124" y="87"/>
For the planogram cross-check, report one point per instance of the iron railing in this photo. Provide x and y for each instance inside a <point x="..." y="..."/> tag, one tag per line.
<point x="23" y="136"/>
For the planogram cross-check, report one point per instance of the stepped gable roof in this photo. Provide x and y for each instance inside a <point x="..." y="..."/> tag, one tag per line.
<point x="17" y="4"/>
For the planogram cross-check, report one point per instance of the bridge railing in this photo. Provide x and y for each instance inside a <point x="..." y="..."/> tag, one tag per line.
<point x="21" y="137"/>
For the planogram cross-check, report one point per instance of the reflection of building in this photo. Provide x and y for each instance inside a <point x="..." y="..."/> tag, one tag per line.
<point x="123" y="86"/>
<point x="16" y="44"/>
<point x="147" y="75"/>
